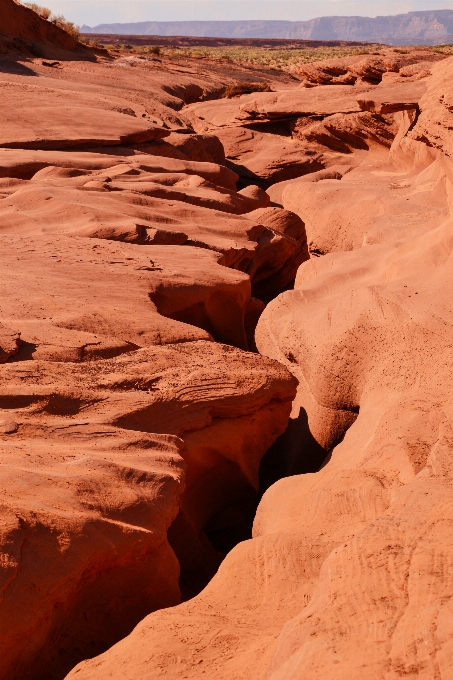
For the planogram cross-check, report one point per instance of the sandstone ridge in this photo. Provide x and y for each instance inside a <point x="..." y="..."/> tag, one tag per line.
<point x="347" y="571"/>
<point x="218" y="313"/>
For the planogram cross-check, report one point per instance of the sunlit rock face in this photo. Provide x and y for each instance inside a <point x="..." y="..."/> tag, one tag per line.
<point x="217" y="312"/>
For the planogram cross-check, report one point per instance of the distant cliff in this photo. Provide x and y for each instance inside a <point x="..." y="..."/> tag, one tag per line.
<point x="429" y="28"/>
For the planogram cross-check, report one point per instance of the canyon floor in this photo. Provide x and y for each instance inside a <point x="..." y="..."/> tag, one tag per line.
<point x="226" y="353"/>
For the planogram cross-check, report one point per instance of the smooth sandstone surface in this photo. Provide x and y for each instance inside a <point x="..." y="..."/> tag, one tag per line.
<point x="349" y="569"/>
<point x="126" y="427"/>
<point x="102" y="457"/>
<point x="29" y="110"/>
<point x="146" y="200"/>
<point x="148" y="226"/>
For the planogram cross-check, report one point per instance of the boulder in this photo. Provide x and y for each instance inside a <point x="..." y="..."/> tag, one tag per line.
<point x="9" y="343"/>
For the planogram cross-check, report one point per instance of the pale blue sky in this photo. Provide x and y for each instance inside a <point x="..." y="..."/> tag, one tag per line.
<point x="93" y="12"/>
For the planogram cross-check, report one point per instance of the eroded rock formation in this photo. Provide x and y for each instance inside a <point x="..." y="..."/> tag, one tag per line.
<point x="127" y="429"/>
<point x="146" y="231"/>
<point x="348" y="572"/>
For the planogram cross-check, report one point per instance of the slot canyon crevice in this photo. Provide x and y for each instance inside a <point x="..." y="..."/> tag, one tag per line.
<point x="226" y="353"/>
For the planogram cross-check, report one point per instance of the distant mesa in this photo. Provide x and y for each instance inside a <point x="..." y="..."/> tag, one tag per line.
<point x="422" y="28"/>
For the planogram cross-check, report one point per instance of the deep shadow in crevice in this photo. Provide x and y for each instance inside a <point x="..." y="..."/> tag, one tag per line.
<point x="201" y="553"/>
<point x="25" y="352"/>
<point x="296" y="452"/>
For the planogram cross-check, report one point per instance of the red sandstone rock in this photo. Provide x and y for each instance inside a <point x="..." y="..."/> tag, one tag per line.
<point x="348" y="572"/>
<point x="373" y="203"/>
<point x="130" y="438"/>
<point x="345" y="134"/>
<point x="78" y="304"/>
<point x="393" y="97"/>
<point x="24" y="164"/>
<point x="271" y="106"/>
<point x="40" y="117"/>
<point x="267" y="157"/>
<point x="204" y="148"/>
<point x="298" y="132"/>
<point x="334" y="172"/>
<point x="9" y="343"/>
<point x="374" y="68"/>
<point x="289" y="225"/>
<point x="23" y="26"/>
<point x="88" y="493"/>
<point x="258" y="197"/>
<point x="141" y="199"/>
<point x="322" y="101"/>
<point x="433" y="124"/>
<point x="123" y="435"/>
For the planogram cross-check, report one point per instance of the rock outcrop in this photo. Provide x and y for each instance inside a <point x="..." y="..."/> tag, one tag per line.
<point x="98" y="459"/>
<point x="130" y="436"/>
<point x="343" y="106"/>
<point x="348" y="572"/>
<point x="24" y="32"/>
<point x="174" y="350"/>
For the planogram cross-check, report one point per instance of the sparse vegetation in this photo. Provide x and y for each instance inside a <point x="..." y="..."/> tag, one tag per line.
<point x="443" y="49"/>
<point x="59" y="20"/>
<point x="44" y="12"/>
<point x="280" y="58"/>
<point x="67" y="26"/>
<point x="245" y="88"/>
<point x="285" y="58"/>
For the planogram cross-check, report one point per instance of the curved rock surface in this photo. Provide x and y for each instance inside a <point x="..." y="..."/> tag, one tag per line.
<point x="145" y="200"/>
<point x="129" y="436"/>
<point x="144" y="227"/>
<point x="370" y="68"/>
<point x="349" y="569"/>
<point x="98" y="458"/>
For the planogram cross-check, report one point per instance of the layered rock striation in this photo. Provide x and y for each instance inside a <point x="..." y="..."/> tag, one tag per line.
<point x="429" y="27"/>
<point x="132" y="417"/>
<point x="348" y="571"/>
<point x="153" y="234"/>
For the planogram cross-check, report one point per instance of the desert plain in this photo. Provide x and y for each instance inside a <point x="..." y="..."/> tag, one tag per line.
<point x="226" y="362"/>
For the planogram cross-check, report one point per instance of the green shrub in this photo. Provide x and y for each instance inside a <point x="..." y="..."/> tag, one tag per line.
<point x="442" y="49"/>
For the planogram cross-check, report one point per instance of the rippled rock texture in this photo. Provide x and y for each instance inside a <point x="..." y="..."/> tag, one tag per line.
<point x="200" y="297"/>
<point x="349" y="569"/>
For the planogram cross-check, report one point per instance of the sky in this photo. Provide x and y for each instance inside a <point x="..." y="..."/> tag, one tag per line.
<point x="92" y="12"/>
